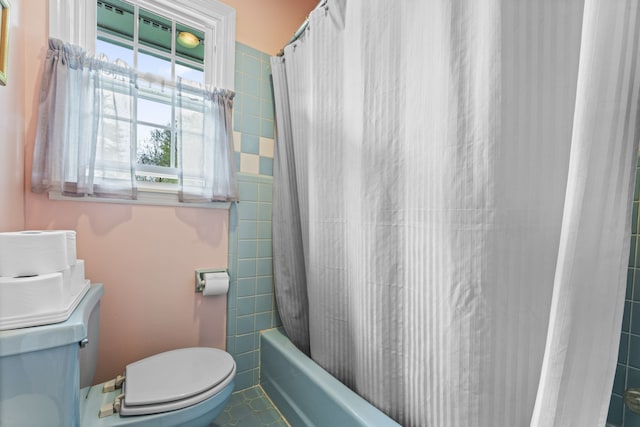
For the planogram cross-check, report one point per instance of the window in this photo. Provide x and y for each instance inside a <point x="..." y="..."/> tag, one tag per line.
<point x="172" y="47"/>
<point x="166" y="48"/>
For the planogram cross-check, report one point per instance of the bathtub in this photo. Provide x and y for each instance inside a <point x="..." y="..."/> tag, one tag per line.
<point x="306" y="394"/>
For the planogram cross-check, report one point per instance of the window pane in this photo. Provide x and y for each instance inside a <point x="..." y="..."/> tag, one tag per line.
<point x="154" y="31"/>
<point x="191" y="51"/>
<point x="115" y="17"/>
<point x="114" y="51"/>
<point x="155" y="112"/>
<point x="191" y="74"/>
<point x="116" y="99"/>
<point x="154" y="64"/>
<point x="154" y="146"/>
<point x="110" y="149"/>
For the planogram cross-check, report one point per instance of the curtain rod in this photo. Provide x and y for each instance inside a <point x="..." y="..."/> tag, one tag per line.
<point x="302" y="27"/>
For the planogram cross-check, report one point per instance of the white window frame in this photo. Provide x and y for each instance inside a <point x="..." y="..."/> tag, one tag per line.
<point x="75" y="22"/>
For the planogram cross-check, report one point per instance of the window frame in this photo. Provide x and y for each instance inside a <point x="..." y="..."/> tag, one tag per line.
<point x="75" y="22"/>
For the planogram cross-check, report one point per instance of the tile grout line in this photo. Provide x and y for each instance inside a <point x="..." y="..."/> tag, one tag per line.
<point x="274" y="405"/>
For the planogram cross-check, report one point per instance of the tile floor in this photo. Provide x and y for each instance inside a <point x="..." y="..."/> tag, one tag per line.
<point x="250" y="408"/>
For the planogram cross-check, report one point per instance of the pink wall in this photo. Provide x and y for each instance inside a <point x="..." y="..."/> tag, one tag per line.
<point x="267" y="25"/>
<point x="11" y="128"/>
<point x="144" y="255"/>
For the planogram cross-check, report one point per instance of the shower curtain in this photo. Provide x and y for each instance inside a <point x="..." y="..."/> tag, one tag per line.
<point x="452" y="198"/>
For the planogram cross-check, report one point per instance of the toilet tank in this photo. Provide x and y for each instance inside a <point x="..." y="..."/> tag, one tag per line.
<point x="89" y="348"/>
<point x="40" y="367"/>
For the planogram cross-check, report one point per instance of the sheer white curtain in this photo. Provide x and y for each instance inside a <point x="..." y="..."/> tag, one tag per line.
<point x="205" y="145"/>
<point x="84" y="141"/>
<point x="461" y="193"/>
<point x="86" y="136"/>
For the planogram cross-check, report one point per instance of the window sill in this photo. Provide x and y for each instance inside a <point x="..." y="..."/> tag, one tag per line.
<point x="145" y="197"/>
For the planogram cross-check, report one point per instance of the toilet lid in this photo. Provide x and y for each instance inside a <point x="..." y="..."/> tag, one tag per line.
<point x="176" y="375"/>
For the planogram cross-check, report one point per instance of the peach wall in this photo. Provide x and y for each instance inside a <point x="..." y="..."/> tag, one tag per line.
<point x="267" y="25"/>
<point x="11" y="134"/>
<point x="144" y="255"/>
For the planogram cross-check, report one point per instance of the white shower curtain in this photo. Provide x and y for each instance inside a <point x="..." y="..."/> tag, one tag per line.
<point x="460" y="174"/>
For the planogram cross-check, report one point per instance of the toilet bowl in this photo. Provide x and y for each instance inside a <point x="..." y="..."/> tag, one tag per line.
<point x="183" y="387"/>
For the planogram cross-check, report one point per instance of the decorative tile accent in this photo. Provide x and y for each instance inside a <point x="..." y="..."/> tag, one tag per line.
<point x="253" y="116"/>
<point x="250" y="144"/>
<point x="266" y="166"/>
<point x="249" y="163"/>
<point x="266" y="147"/>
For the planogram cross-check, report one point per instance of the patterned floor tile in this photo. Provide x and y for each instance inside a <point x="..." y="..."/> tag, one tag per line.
<point x="250" y="408"/>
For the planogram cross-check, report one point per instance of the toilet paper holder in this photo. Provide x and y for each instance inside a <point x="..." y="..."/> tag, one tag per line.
<point x="200" y="276"/>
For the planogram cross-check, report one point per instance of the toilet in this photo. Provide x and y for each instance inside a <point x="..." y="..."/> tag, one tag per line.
<point x="46" y="374"/>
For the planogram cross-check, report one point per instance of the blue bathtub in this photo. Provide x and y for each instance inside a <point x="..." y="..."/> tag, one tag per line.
<point x="306" y="394"/>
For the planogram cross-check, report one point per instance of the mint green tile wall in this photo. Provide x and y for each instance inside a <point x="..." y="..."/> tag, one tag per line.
<point x="628" y="367"/>
<point x="251" y="302"/>
<point x="253" y="122"/>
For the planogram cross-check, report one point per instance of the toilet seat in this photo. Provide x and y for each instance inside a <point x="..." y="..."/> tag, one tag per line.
<point x="175" y="379"/>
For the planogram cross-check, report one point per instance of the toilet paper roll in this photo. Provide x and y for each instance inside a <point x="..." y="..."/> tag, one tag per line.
<point x="74" y="279"/>
<point x="71" y="243"/>
<point x="41" y="300"/>
<point x="216" y="283"/>
<point x="34" y="296"/>
<point x="30" y="253"/>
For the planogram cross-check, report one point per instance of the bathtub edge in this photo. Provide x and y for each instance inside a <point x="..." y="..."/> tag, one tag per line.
<point x="305" y="393"/>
